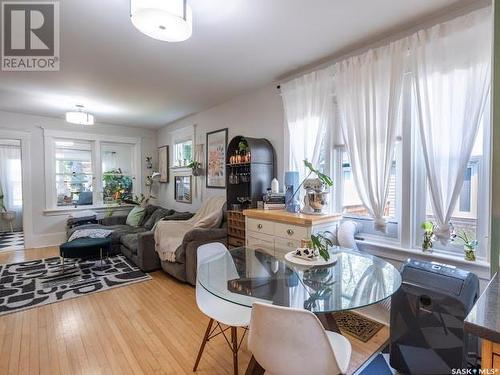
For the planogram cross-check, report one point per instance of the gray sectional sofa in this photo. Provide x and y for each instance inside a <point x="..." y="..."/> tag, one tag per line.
<point x="138" y="245"/>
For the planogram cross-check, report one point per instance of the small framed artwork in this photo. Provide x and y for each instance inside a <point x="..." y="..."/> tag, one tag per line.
<point x="216" y="159"/>
<point x="163" y="161"/>
<point x="182" y="192"/>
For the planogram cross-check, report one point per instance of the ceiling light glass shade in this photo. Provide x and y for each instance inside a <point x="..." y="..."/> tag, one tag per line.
<point x="167" y="20"/>
<point x="80" y="118"/>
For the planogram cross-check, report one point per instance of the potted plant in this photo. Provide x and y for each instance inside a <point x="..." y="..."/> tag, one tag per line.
<point x="195" y="168"/>
<point x="469" y="242"/>
<point x="322" y="242"/>
<point x="325" y="180"/>
<point x="429" y="235"/>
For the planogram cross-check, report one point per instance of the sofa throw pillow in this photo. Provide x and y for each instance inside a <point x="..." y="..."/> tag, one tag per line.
<point x="135" y="216"/>
<point x="150" y="209"/>
<point x="159" y="214"/>
<point x="90" y="233"/>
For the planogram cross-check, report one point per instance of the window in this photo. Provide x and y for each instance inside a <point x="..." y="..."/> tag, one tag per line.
<point x="467" y="213"/>
<point x="73" y="162"/>
<point x="408" y="200"/>
<point x="183" y="152"/>
<point x="351" y="205"/>
<point x="88" y="170"/>
<point x="117" y="171"/>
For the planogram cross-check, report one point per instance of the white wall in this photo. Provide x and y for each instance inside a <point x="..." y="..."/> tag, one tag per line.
<point x="258" y="114"/>
<point x="50" y="229"/>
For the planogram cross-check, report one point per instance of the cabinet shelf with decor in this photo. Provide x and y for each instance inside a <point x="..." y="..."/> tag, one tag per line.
<point x="250" y="168"/>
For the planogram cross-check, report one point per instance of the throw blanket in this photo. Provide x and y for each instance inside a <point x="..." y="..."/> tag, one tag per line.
<point x="169" y="234"/>
<point x="90" y="233"/>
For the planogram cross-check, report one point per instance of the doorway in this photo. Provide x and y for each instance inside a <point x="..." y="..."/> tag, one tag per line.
<point x="11" y="196"/>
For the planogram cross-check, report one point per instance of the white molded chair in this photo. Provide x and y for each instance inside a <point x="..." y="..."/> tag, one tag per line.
<point x="286" y="341"/>
<point x="345" y="234"/>
<point x="220" y="311"/>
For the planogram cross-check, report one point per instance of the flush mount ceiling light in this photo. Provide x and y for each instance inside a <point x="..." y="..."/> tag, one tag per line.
<point x="167" y="20"/>
<point x="80" y="117"/>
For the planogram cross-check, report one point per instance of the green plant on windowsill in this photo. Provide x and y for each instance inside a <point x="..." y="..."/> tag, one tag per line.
<point x="429" y="236"/>
<point x="470" y="244"/>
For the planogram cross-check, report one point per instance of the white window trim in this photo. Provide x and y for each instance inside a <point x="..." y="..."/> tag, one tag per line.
<point x="184" y="134"/>
<point x="49" y="147"/>
<point x="412" y="189"/>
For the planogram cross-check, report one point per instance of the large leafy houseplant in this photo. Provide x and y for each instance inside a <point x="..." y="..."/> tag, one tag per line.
<point x="117" y="187"/>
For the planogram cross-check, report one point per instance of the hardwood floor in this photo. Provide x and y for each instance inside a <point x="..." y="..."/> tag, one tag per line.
<point x="152" y="327"/>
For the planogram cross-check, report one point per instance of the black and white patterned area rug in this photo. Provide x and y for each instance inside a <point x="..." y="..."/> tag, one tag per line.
<point x="39" y="282"/>
<point x="11" y="241"/>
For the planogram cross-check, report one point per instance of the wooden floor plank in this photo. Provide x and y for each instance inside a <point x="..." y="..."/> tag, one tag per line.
<point x="152" y="327"/>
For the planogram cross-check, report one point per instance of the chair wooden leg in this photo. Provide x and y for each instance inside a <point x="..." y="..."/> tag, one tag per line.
<point x="234" y="342"/>
<point x="254" y="368"/>
<point x="203" y="343"/>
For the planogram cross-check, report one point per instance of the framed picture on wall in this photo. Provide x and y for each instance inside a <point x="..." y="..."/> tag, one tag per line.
<point x="163" y="163"/>
<point x="216" y="159"/>
<point x="182" y="192"/>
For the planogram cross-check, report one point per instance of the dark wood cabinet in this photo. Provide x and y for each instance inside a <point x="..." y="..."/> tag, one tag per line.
<point x="249" y="173"/>
<point x="254" y="176"/>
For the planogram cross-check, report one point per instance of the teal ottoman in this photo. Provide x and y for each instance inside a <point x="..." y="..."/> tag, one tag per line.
<point x="85" y="248"/>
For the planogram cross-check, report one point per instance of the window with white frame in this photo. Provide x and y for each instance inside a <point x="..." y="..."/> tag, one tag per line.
<point x="183" y="152"/>
<point x="407" y="179"/>
<point x="117" y="171"/>
<point x="89" y="170"/>
<point x="470" y="210"/>
<point x="73" y="172"/>
<point x="350" y="204"/>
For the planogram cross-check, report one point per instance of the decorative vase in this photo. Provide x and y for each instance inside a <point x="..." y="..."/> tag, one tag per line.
<point x="470" y="253"/>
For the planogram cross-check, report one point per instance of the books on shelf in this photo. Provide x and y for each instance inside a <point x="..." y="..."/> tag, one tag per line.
<point x="274" y="206"/>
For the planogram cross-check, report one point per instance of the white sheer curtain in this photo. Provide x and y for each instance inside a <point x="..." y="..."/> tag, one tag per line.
<point x="11" y="180"/>
<point x="368" y="91"/>
<point x="451" y="68"/>
<point x="308" y="111"/>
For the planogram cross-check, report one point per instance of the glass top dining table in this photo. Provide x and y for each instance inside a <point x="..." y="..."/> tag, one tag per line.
<point x="245" y="275"/>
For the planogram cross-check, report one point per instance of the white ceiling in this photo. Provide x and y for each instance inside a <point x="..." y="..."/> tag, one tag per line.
<point x="126" y="78"/>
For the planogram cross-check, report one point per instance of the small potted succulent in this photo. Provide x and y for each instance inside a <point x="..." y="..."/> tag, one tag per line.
<point x="469" y="242"/>
<point x="429" y="236"/>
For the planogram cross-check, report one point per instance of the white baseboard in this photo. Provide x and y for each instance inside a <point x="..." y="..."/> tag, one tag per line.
<point x="46" y="240"/>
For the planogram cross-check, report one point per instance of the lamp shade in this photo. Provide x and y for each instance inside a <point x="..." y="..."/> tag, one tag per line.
<point x="167" y="20"/>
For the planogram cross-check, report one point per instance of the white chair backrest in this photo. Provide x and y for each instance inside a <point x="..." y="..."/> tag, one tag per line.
<point x="222" y="267"/>
<point x="210" y="251"/>
<point x="345" y="234"/>
<point x="289" y="341"/>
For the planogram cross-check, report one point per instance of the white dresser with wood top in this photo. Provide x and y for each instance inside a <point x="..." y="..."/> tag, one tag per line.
<point x="279" y="231"/>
